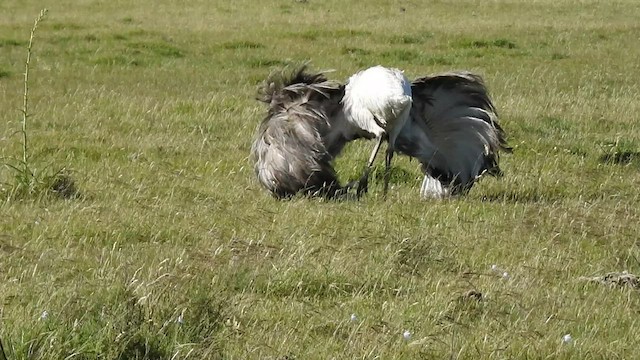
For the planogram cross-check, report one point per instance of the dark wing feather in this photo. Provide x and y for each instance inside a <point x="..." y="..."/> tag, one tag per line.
<point x="453" y="130"/>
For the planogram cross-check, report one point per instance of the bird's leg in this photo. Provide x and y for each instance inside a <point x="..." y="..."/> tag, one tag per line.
<point x="374" y="153"/>
<point x="387" y="170"/>
<point x="363" y="183"/>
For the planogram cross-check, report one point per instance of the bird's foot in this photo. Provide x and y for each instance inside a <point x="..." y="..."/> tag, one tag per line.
<point x="363" y="186"/>
<point x="351" y="184"/>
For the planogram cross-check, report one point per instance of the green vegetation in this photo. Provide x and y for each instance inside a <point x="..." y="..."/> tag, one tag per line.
<point x="174" y="251"/>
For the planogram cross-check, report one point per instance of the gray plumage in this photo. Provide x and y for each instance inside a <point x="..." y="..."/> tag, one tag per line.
<point x="301" y="134"/>
<point x="453" y="131"/>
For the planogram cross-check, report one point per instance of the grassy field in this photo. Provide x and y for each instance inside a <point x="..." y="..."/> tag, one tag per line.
<point x="173" y="251"/>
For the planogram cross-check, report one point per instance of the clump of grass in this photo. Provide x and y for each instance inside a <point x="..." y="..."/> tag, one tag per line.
<point x="559" y="56"/>
<point x="410" y="39"/>
<point x="118" y="60"/>
<point x="399" y="55"/>
<point x="621" y="157"/>
<point x="10" y="42"/>
<point x="161" y="49"/>
<point x="620" y="152"/>
<point x="355" y="51"/>
<point x="264" y="63"/>
<point x="243" y="44"/>
<point x="498" y="43"/>
<point x="65" y="26"/>
<point x="315" y="34"/>
<point x="27" y="180"/>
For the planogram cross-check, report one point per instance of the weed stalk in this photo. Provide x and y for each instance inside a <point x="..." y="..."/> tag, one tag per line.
<point x="25" y="102"/>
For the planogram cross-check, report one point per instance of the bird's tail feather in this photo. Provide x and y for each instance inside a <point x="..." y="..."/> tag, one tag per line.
<point x="433" y="188"/>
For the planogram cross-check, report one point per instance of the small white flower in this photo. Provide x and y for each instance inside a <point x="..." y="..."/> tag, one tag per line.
<point x="406" y="335"/>
<point x="494" y="267"/>
<point x="180" y="319"/>
<point x="119" y="336"/>
<point x="567" y="339"/>
<point x="44" y="315"/>
<point x="354" y="317"/>
<point x="505" y="275"/>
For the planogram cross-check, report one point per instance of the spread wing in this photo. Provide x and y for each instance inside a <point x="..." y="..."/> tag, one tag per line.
<point x="453" y="131"/>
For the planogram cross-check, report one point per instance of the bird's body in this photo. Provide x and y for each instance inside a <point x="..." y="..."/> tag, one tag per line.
<point x="377" y="102"/>
<point x="446" y="121"/>
<point x="301" y="134"/>
<point x="453" y="131"/>
<point x="375" y="98"/>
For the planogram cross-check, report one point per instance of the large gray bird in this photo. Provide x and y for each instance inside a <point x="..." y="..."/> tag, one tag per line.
<point x="301" y="134"/>
<point x="452" y="130"/>
<point x="377" y="101"/>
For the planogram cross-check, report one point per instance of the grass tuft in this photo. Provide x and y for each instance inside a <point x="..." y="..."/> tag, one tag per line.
<point x="410" y="39"/>
<point x="559" y="56"/>
<point x="65" y="26"/>
<point x="256" y="63"/>
<point x="399" y="55"/>
<point x="11" y="42"/>
<point x="119" y="60"/>
<point x="620" y="152"/>
<point x="242" y="44"/>
<point x="156" y="49"/>
<point x="497" y="43"/>
<point x="28" y="181"/>
<point x="621" y="157"/>
<point x="354" y="51"/>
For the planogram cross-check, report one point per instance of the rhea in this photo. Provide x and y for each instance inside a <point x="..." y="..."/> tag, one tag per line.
<point x="454" y="132"/>
<point x="377" y="102"/>
<point x="301" y="134"/>
<point x="452" y="129"/>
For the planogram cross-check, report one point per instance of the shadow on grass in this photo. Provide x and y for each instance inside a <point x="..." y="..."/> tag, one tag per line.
<point x="410" y="39"/>
<point x="11" y="42"/>
<point x="497" y="43"/>
<point x="397" y="175"/>
<point x="255" y="63"/>
<point x="354" y="51"/>
<point x="526" y="196"/>
<point x="242" y="44"/>
<point x="315" y="34"/>
<point x="144" y="347"/>
<point x="621" y="158"/>
<point x="620" y="152"/>
<point x="422" y="256"/>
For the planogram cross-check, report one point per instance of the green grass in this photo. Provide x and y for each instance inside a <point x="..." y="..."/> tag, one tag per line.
<point x="150" y="106"/>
